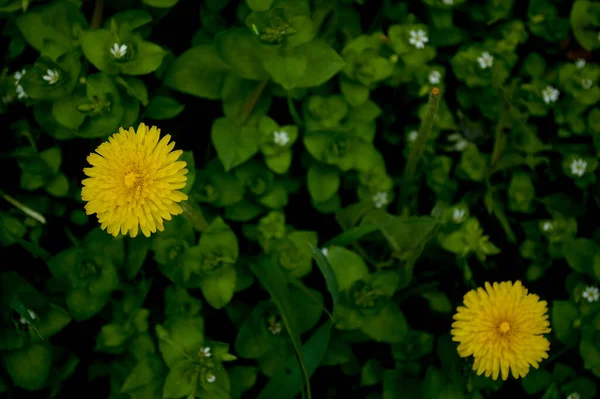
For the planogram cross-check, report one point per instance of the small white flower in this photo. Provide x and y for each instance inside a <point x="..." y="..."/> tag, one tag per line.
<point x="325" y="251"/>
<point x="32" y="314"/>
<point x="20" y="92"/>
<point x="574" y="395"/>
<point x="448" y="2"/>
<point x="586" y="83"/>
<point x="7" y="99"/>
<point x="591" y="294"/>
<point x="435" y="77"/>
<point x="547" y="226"/>
<point x="412" y="136"/>
<point x="578" y="167"/>
<point x="205" y="351"/>
<point x="486" y="60"/>
<point x="580" y="63"/>
<point x="210" y="378"/>
<point x="460" y="142"/>
<point x="18" y="75"/>
<point x="458" y="215"/>
<point x="550" y="94"/>
<point x="51" y="76"/>
<point x="281" y="138"/>
<point x="418" y="38"/>
<point x="380" y="199"/>
<point x="118" y="51"/>
<point x="275" y="328"/>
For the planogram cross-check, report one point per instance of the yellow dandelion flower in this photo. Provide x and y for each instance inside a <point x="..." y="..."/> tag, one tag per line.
<point x="502" y="328"/>
<point x="133" y="182"/>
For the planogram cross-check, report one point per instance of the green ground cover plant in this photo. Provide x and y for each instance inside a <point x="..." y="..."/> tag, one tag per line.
<point x="299" y="198"/>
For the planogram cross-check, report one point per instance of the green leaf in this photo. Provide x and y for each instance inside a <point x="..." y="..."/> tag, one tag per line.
<point x="259" y="5"/>
<point x="322" y="181"/>
<point x="58" y="186"/>
<point x="162" y="107"/>
<point x="218" y="289"/>
<point x="371" y="373"/>
<point x="147" y="59"/>
<point x="179" y="381"/>
<point x="323" y="63"/>
<point x="328" y="273"/>
<point x="351" y="235"/>
<point x="161" y="3"/>
<point x="199" y="71"/>
<point x="64" y="110"/>
<point x="580" y="253"/>
<point x="29" y="367"/>
<point x="286" y="66"/>
<point x="287" y="381"/>
<point x="234" y="144"/>
<point x="388" y="326"/>
<point x="274" y="281"/>
<point x="111" y="338"/>
<point x="536" y="381"/>
<point x="96" y="46"/>
<point x="347" y="266"/>
<point x="83" y="306"/>
<point x="564" y="314"/>
<point x="584" y="22"/>
<point x="242" y="51"/>
<point x="180" y="336"/>
<point x="142" y="374"/>
<point x="137" y="251"/>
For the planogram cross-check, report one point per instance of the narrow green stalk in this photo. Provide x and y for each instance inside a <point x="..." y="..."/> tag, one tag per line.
<point x="24" y="208"/>
<point x="194" y="216"/>
<point x="424" y="131"/>
<point x="416" y="151"/>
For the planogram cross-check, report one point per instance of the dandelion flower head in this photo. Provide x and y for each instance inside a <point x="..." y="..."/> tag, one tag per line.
<point x="134" y="181"/>
<point x="502" y="327"/>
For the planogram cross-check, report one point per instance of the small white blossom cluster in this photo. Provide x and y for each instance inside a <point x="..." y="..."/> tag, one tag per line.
<point x="486" y="60"/>
<point x="281" y="138"/>
<point x="32" y="314"/>
<point x="578" y="167"/>
<point x="550" y="94"/>
<point x="448" y="2"/>
<point x="412" y="136"/>
<point x="435" y="77"/>
<point x="591" y="294"/>
<point x="325" y="251"/>
<point x="580" y="63"/>
<point x="380" y="199"/>
<point x="418" y="38"/>
<point x="586" y="83"/>
<point x="574" y="395"/>
<point x="19" y="89"/>
<point x="118" y="51"/>
<point x="51" y="76"/>
<point x="458" y="215"/>
<point x="205" y="352"/>
<point x="460" y="143"/>
<point x="547" y="226"/>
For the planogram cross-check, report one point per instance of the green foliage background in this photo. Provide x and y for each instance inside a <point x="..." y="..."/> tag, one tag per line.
<point x="339" y="210"/>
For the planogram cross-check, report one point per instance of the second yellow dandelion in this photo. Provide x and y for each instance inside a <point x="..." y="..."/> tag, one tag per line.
<point x="502" y="327"/>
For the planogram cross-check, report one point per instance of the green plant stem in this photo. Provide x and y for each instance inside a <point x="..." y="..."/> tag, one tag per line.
<point x="418" y="147"/>
<point x="251" y="101"/>
<point x="97" y="16"/>
<point x="24" y="208"/>
<point x="194" y="216"/>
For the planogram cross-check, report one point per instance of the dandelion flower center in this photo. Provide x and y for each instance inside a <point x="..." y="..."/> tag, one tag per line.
<point x="134" y="181"/>
<point x="502" y="327"/>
